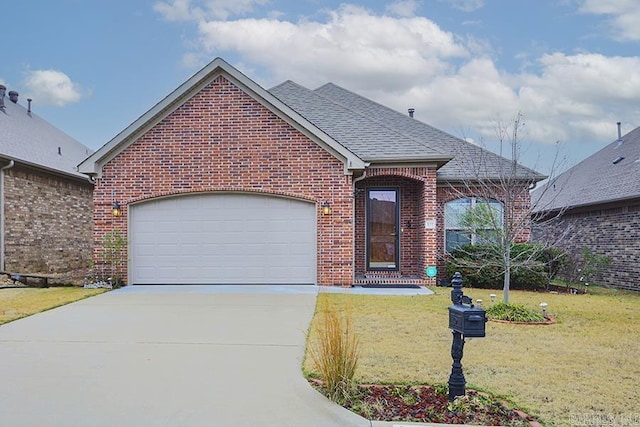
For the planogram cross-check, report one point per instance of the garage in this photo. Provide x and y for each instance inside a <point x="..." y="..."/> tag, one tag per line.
<point x="223" y="238"/>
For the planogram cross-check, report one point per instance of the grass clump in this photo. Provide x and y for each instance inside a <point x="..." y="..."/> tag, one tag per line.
<point x="513" y="313"/>
<point x="334" y="351"/>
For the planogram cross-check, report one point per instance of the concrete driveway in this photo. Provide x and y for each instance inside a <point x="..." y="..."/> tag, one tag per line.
<point x="166" y="356"/>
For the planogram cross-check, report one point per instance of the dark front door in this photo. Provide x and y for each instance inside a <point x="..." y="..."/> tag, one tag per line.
<point x="382" y="229"/>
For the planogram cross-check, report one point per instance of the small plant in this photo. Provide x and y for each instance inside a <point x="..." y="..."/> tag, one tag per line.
<point x="335" y="353"/>
<point x="513" y="313"/>
<point x="113" y="255"/>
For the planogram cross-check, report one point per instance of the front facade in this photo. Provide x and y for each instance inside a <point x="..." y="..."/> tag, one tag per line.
<point x="224" y="182"/>
<point x="46" y="205"/>
<point x="596" y="205"/>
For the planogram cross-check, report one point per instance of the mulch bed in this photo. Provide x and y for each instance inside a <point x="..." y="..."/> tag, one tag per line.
<point x="417" y="403"/>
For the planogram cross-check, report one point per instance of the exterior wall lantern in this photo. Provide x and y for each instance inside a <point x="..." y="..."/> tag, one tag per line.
<point x="326" y="208"/>
<point x="465" y="321"/>
<point x="116" y="209"/>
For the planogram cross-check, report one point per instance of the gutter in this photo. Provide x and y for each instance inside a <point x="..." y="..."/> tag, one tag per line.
<point x="2" y="214"/>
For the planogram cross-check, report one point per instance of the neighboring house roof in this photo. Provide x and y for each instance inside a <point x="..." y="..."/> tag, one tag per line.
<point x="379" y="134"/>
<point x="27" y="138"/>
<point x="218" y="67"/>
<point x="597" y="179"/>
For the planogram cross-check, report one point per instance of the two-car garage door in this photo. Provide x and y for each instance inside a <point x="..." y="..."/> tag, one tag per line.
<point x="223" y="238"/>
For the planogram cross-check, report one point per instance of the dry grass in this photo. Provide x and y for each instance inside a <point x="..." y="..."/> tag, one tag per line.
<point x="582" y="367"/>
<point x="334" y="350"/>
<point x="16" y="303"/>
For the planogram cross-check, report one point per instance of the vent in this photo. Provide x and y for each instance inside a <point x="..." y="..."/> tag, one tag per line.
<point x="618" y="160"/>
<point x="411" y="111"/>
<point x="13" y="96"/>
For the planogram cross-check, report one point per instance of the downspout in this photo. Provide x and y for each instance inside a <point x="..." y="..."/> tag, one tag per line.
<point x="2" y="209"/>
<point x="353" y="225"/>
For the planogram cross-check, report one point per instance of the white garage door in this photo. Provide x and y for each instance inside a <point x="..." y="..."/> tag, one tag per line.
<point x="223" y="238"/>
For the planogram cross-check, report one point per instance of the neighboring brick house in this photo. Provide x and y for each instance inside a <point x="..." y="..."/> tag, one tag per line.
<point x="596" y="204"/>
<point x="224" y="181"/>
<point x="47" y="205"/>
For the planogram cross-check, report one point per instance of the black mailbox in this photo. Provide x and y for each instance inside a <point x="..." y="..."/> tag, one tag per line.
<point x="468" y="320"/>
<point x="464" y="317"/>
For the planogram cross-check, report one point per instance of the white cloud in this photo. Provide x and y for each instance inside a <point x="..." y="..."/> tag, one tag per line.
<point x="52" y="87"/>
<point x="185" y="10"/>
<point x="352" y="47"/>
<point x="624" y="16"/>
<point x="404" y="8"/>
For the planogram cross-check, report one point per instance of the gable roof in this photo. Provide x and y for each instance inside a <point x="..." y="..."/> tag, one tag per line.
<point x="597" y="179"/>
<point x="218" y="67"/>
<point x="27" y="138"/>
<point x="465" y="155"/>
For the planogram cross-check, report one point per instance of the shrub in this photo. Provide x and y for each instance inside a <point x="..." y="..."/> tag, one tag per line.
<point x="480" y="265"/>
<point x="334" y="352"/>
<point x="513" y="313"/>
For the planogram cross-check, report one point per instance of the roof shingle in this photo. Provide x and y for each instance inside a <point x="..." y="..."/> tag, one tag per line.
<point x="27" y="138"/>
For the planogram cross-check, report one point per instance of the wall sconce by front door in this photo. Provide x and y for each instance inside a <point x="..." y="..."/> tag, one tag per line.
<point x="326" y="208"/>
<point x="116" y="209"/>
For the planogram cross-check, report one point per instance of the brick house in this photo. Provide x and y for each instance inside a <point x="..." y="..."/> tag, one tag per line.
<point x="47" y="205"/>
<point x="596" y="204"/>
<point x="224" y="181"/>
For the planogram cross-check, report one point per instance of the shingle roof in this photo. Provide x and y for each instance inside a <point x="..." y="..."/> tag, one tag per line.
<point x="370" y="139"/>
<point x="596" y="179"/>
<point x="373" y="131"/>
<point x="26" y="137"/>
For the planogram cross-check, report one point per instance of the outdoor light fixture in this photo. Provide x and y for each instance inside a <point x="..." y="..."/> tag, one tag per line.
<point x="543" y="306"/>
<point x="326" y="208"/>
<point x="493" y="298"/>
<point x="116" y="209"/>
<point x="479" y="303"/>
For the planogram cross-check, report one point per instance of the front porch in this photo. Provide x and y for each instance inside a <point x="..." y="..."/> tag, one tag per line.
<point x="395" y="227"/>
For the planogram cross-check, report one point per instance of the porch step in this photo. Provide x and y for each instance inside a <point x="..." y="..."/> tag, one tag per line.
<point x="390" y="282"/>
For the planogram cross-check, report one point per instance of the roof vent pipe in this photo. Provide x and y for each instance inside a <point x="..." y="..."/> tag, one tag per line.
<point x="13" y="96"/>
<point x="411" y="111"/>
<point x="619" y="131"/>
<point x="3" y="89"/>
<point x="29" y="105"/>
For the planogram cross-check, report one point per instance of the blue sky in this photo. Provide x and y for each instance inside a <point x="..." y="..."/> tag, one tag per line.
<point x="571" y="67"/>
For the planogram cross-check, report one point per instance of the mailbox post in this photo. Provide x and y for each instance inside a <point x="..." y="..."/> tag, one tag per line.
<point x="465" y="320"/>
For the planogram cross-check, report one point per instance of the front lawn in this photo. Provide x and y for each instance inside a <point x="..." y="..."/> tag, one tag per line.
<point x="582" y="368"/>
<point x="16" y="303"/>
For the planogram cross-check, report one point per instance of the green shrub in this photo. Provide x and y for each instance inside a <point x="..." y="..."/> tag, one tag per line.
<point x="513" y="313"/>
<point x="533" y="266"/>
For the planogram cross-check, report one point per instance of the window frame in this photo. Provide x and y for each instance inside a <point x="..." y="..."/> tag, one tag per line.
<point x="474" y="236"/>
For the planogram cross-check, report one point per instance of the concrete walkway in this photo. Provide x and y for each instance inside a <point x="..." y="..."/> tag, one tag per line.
<point x="165" y="356"/>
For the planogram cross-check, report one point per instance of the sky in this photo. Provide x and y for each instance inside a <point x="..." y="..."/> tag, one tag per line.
<point x="569" y="68"/>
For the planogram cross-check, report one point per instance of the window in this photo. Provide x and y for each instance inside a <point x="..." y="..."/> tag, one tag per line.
<point x="461" y="230"/>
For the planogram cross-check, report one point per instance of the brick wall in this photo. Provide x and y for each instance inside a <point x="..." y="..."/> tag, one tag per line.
<point x="223" y="140"/>
<point x="48" y="226"/>
<point x="611" y="231"/>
